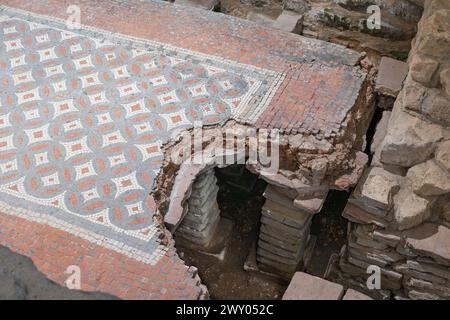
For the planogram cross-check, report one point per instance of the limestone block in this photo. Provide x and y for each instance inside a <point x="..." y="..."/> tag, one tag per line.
<point x="444" y="78"/>
<point x="289" y="21"/>
<point x="429" y="179"/>
<point x="436" y="106"/>
<point x="430" y="240"/>
<point x="433" y="38"/>
<point x="424" y="70"/>
<point x="412" y="95"/>
<point x="443" y="155"/>
<point x="409" y="139"/>
<point x="410" y="210"/>
<point x="378" y="188"/>
<point x="391" y="74"/>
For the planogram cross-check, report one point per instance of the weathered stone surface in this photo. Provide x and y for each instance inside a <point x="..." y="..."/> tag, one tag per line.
<point x="433" y="38"/>
<point x="378" y="188"/>
<point x="312" y="205"/>
<point x="293" y="214"/>
<point x="355" y="295"/>
<point x="390" y="279"/>
<point x="289" y="21"/>
<point x="406" y="270"/>
<point x="390" y="237"/>
<point x="420" y="295"/>
<point x="257" y="3"/>
<point x="355" y="214"/>
<point x="299" y="6"/>
<point x="201" y="4"/>
<point x="275" y="194"/>
<point x="260" y="18"/>
<point x="380" y="131"/>
<point x="391" y="74"/>
<point x="351" y="179"/>
<point x="381" y="258"/>
<point x="436" y="106"/>
<point x="434" y="269"/>
<point x="444" y="78"/>
<point x="432" y="288"/>
<point x="443" y="155"/>
<point x="412" y="95"/>
<point x="424" y="70"/>
<point x="409" y="140"/>
<point x="430" y="240"/>
<point x="307" y="287"/>
<point x="429" y="179"/>
<point x="410" y="210"/>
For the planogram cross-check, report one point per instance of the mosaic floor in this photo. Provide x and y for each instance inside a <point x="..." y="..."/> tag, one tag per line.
<point x="84" y="115"/>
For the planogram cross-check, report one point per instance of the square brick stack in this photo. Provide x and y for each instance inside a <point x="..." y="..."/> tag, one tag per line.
<point x="284" y="232"/>
<point x="202" y="211"/>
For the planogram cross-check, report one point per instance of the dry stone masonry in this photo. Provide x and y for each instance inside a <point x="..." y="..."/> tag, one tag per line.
<point x="400" y="208"/>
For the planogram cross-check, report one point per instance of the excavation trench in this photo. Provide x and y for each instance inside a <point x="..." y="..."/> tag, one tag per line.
<point x="232" y="262"/>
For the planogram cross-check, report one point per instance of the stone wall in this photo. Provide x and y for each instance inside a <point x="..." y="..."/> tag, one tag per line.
<point x="400" y="210"/>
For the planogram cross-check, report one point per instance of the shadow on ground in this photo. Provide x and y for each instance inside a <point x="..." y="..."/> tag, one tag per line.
<point x="20" y="280"/>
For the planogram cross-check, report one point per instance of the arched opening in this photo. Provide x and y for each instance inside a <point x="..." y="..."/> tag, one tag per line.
<point x="247" y="239"/>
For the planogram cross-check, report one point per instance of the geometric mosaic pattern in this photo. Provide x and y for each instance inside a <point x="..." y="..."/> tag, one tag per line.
<point x="83" y="117"/>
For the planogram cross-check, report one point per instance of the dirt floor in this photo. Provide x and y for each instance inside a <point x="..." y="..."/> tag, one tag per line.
<point x="20" y="280"/>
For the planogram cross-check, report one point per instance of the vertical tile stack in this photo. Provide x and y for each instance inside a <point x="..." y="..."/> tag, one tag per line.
<point x="284" y="232"/>
<point x="203" y="215"/>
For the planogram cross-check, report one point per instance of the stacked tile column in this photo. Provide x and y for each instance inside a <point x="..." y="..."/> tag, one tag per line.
<point x="203" y="215"/>
<point x="284" y="232"/>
